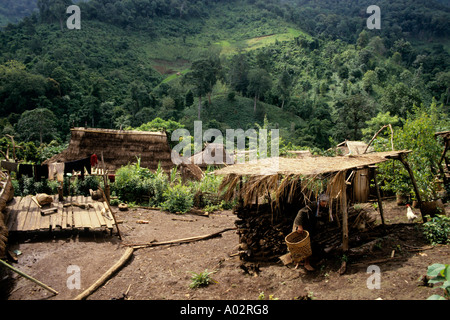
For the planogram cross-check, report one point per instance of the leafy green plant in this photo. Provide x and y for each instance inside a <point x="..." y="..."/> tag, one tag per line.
<point x="440" y="273"/>
<point x="201" y="279"/>
<point x="437" y="229"/>
<point x="179" y="198"/>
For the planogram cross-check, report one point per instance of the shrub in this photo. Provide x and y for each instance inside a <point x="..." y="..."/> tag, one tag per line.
<point x="440" y="273"/>
<point x="179" y="198"/>
<point x="437" y="230"/>
<point x="201" y="279"/>
<point x="132" y="183"/>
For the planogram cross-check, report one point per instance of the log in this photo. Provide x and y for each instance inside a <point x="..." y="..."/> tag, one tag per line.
<point x="29" y="277"/>
<point x="119" y="264"/>
<point x="179" y="241"/>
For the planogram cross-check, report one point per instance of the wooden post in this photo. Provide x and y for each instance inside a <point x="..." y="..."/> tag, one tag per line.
<point x="29" y="277"/>
<point x="112" y="213"/>
<point x="344" y="210"/>
<point x="416" y="189"/>
<point x="377" y="187"/>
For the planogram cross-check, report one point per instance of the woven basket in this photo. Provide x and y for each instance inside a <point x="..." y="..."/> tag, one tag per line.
<point x="299" y="245"/>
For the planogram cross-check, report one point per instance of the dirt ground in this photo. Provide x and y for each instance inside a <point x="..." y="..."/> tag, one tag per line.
<point x="164" y="273"/>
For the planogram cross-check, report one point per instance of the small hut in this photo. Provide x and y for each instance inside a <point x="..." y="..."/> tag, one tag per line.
<point x="118" y="147"/>
<point x="353" y="147"/>
<point x="284" y="181"/>
<point x="214" y="154"/>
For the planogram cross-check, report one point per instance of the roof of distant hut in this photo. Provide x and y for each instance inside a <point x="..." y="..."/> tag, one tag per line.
<point x="354" y="147"/>
<point x="211" y="154"/>
<point x="119" y="148"/>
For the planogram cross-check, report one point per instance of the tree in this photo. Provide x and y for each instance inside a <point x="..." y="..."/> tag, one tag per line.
<point x="259" y="82"/>
<point x="284" y="87"/>
<point x="203" y="77"/>
<point x="38" y="124"/>
<point x="352" y="112"/>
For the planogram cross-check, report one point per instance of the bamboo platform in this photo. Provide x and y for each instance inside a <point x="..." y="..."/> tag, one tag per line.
<point x="24" y="215"/>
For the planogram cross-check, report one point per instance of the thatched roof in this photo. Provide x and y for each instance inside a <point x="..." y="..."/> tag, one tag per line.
<point x="307" y="166"/>
<point x="210" y="154"/>
<point x="119" y="148"/>
<point x="353" y="147"/>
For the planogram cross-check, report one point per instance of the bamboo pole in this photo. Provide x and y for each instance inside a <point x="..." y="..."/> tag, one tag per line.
<point x="380" y="202"/>
<point x="119" y="264"/>
<point x="29" y="277"/>
<point x="344" y="215"/>
<point x="112" y="213"/>
<point x="416" y="188"/>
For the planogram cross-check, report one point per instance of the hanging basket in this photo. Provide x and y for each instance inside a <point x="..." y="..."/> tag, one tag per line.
<point x="299" y="245"/>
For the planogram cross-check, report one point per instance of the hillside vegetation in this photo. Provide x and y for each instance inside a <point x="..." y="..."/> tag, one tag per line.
<point x="311" y="68"/>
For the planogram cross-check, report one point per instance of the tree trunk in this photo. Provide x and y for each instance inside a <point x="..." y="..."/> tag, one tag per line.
<point x="199" y="107"/>
<point x="254" y="107"/>
<point x="282" y="105"/>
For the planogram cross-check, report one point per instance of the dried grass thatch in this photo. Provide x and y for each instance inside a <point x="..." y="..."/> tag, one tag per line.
<point x="353" y="147"/>
<point x="211" y="153"/>
<point x="119" y="148"/>
<point x="283" y="178"/>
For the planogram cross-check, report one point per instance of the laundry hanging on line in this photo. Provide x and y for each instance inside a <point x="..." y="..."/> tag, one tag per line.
<point x="56" y="169"/>
<point x="78" y="165"/>
<point x="9" y="166"/>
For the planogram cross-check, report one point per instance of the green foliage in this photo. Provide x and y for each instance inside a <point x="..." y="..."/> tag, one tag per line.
<point x="440" y="273"/>
<point x="437" y="229"/>
<point x="179" y="199"/>
<point x="201" y="279"/>
<point x="132" y="183"/>
<point x="417" y="135"/>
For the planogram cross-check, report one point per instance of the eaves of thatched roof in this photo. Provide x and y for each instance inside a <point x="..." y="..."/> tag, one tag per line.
<point x="310" y="166"/>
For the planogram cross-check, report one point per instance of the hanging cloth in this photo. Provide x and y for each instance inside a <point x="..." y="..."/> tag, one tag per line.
<point x="40" y="171"/>
<point x="94" y="160"/>
<point x="9" y="166"/>
<point x="56" y="169"/>
<point x="78" y="165"/>
<point x="26" y="170"/>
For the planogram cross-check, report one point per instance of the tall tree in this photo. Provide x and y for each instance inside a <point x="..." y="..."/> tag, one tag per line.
<point x="203" y="77"/>
<point x="38" y="124"/>
<point x="259" y="82"/>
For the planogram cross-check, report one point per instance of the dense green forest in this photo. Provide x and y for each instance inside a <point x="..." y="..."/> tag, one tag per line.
<point x="310" y="68"/>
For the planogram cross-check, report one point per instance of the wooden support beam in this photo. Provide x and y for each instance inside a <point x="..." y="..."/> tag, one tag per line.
<point x="380" y="202"/>
<point x="344" y="210"/>
<point x="405" y="163"/>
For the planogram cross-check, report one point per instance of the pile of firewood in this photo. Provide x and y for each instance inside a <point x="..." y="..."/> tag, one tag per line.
<point x="262" y="238"/>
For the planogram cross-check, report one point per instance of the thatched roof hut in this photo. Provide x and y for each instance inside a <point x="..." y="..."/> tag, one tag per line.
<point x="284" y="179"/>
<point x="119" y="148"/>
<point x="214" y="154"/>
<point x="353" y="147"/>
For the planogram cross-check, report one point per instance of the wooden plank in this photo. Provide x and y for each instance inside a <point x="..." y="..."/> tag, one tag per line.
<point x="69" y="211"/>
<point x="22" y="215"/>
<point x="58" y="216"/>
<point x="76" y="211"/>
<point x="92" y="214"/>
<point x="13" y="209"/>
<point x="85" y="217"/>
<point x="32" y="222"/>
<point x="98" y="212"/>
<point x="109" y="222"/>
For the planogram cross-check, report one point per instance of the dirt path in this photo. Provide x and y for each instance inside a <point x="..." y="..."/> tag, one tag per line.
<point x="164" y="273"/>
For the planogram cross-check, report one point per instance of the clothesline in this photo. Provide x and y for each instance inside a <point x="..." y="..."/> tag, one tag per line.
<point x="59" y="169"/>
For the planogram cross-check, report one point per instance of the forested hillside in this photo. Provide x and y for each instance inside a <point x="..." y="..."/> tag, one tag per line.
<point x="311" y="68"/>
